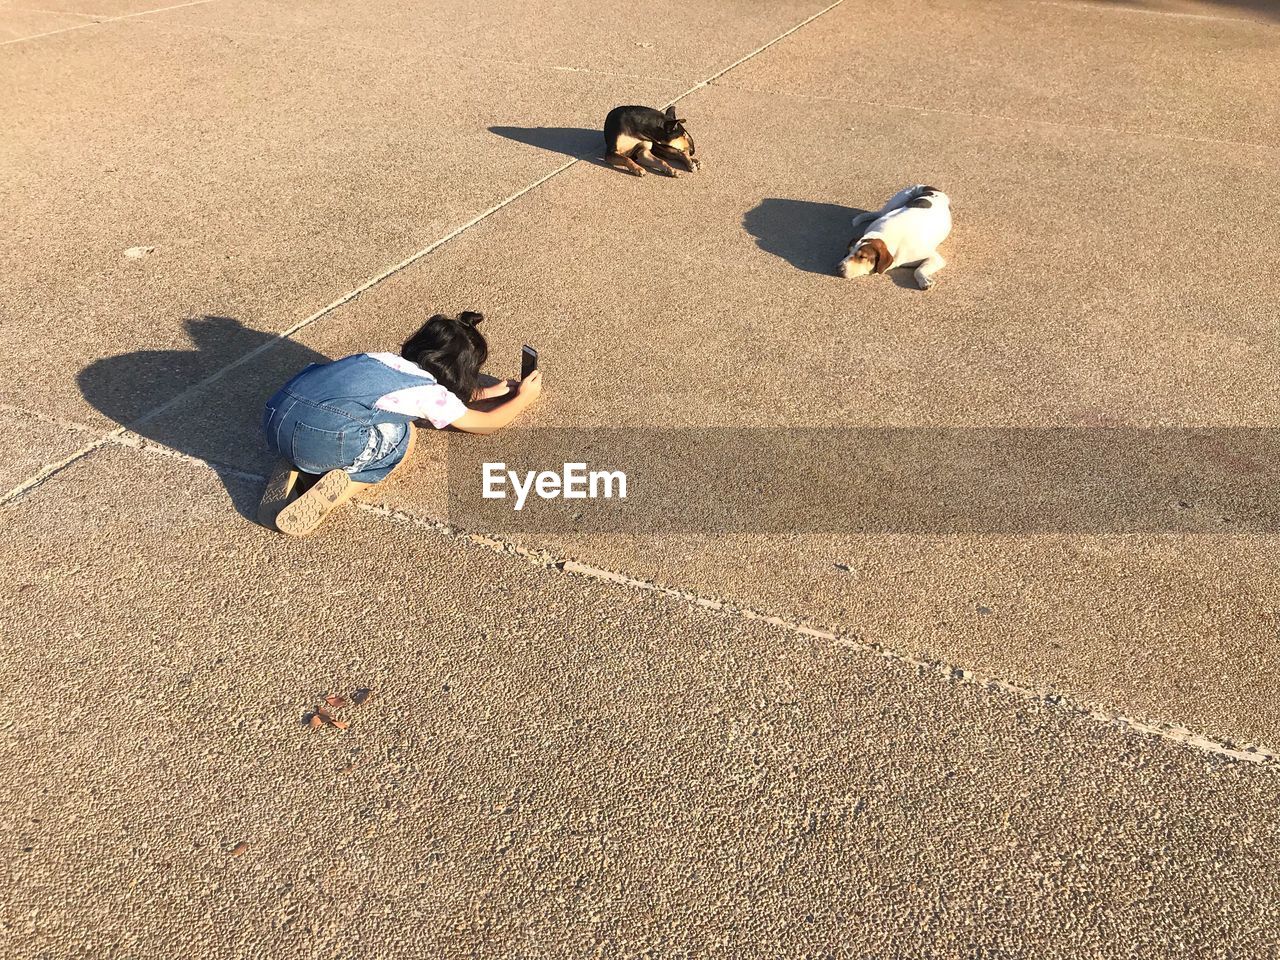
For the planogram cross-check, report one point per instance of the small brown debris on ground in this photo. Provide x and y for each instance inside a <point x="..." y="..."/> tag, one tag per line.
<point x="361" y="696"/>
<point x="321" y="715"/>
<point x="238" y="849"/>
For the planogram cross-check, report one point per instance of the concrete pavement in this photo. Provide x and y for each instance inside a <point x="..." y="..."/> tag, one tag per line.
<point x="614" y="767"/>
<point x="1039" y="325"/>
<point x="550" y="765"/>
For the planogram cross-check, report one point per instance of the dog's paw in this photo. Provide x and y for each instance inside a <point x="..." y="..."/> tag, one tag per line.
<point x="636" y="173"/>
<point x="694" y="165"/>
<point x="925" y="283"/>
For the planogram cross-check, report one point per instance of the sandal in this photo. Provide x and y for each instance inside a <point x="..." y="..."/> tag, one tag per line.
<point x="281" y="486"/>
<point x="306" y="513"/>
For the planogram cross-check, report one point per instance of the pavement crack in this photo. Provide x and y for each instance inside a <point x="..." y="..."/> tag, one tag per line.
<point x="943" y="671"/>
<point x="946" y="672"/>
<point x="96" y="18"/>
<point x="47" y="473"/>
<point x="756" y="52"/>
<point x="9" y="408"/>
<point x="851" y="640"/>
<point x="50" y="470"/>
<point x="97" y="21"/>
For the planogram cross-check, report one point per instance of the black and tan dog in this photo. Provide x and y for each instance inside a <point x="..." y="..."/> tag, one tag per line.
<point x="640" y="137"/>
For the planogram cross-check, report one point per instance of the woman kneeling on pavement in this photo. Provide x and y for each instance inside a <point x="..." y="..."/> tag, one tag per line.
<point x="341" y="427"/>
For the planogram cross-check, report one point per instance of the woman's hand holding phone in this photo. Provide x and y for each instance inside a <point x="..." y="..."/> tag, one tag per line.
<point x="530" y="387"/>
<point x="521" y="396"/>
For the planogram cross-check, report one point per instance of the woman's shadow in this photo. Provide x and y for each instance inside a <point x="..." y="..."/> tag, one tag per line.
<point x="149" y="393"/>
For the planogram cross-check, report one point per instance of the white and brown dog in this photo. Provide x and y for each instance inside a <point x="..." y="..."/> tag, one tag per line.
<point x="904" y="232"/>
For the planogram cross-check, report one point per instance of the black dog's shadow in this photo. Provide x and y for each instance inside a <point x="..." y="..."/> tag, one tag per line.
<point x="581" y="143"/>
<point x="571" y="141"/>
<point x="131" y="389"/>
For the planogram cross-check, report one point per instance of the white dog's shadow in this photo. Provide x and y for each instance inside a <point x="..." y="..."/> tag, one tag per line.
<point x="809" y="235"/>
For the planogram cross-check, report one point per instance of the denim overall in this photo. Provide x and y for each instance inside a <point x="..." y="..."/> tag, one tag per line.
<point x="324" y="417"/>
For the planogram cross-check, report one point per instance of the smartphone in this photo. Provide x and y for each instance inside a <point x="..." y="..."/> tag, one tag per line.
<point x="528" y="361"/>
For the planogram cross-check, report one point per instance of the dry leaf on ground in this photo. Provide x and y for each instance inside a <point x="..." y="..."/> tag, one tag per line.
<point x="321" y="717"/>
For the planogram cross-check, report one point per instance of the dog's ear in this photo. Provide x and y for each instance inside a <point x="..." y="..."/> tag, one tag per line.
<point x="470" y="317"/>
<point x="883" y="260"/>
<point x="671" y="113"/>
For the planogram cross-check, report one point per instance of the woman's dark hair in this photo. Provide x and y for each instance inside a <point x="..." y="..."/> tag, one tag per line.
<point x="452" y="350"/>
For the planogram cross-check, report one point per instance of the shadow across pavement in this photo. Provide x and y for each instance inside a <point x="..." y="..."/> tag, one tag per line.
<point x="1247" y="9"/>
<point x="809" y="235"/>
<point x="580" y="142"/>
<point x="132" y="388"/>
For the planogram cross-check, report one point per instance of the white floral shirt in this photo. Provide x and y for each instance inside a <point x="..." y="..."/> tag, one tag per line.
<point x="430" y="401"/>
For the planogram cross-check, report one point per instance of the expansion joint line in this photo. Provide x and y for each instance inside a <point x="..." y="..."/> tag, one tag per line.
<point x="49" y="471"/>
<point x="1048" y="699"/>
<point x="98" y="21"/>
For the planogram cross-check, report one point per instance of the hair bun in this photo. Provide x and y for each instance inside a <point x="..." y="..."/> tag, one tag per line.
<point x="470" y="317"/>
